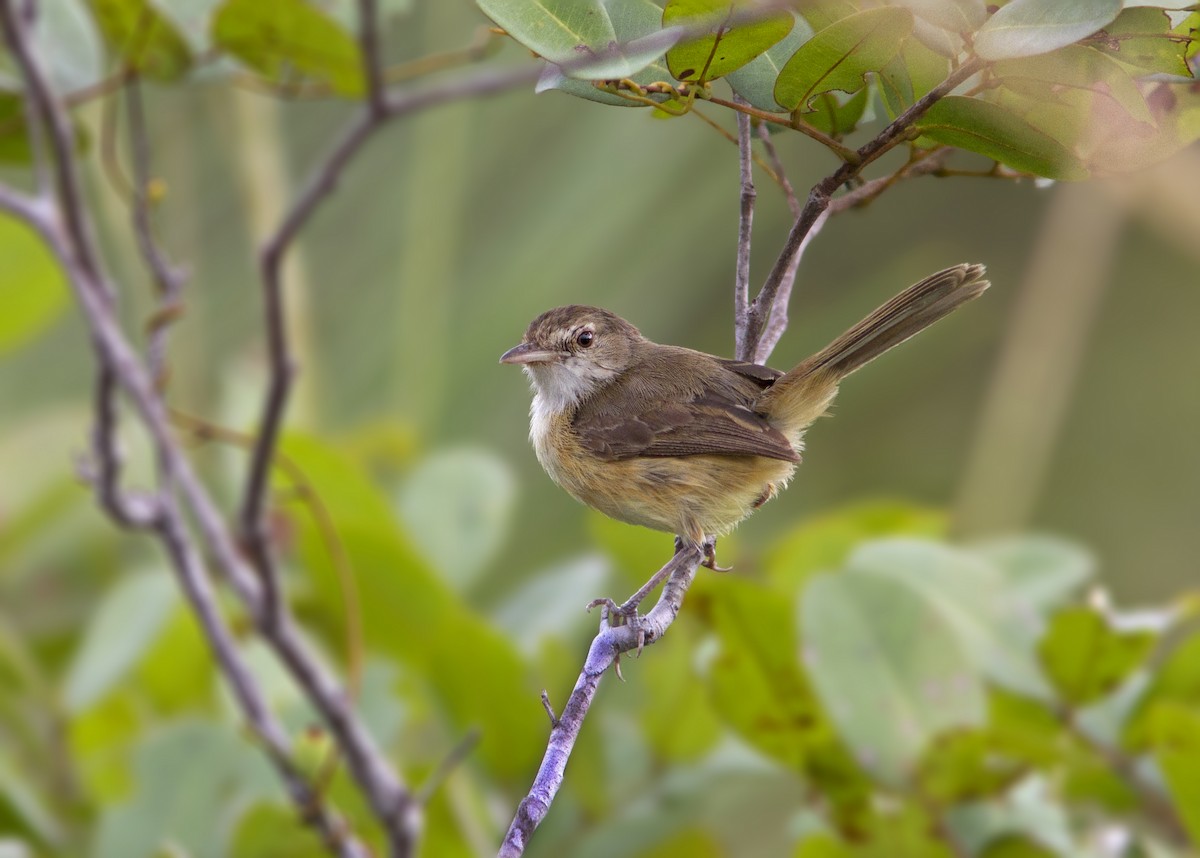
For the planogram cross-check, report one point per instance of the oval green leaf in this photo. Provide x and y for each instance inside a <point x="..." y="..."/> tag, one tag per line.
<point x="839" y="56"/>
<point x="143" y="38"/>
<point x="32" y="292"/>
<point x="888" y="666"/>
<point x="986" y="128"/>
<point x="1086" y="659"/>
<point x="1024" y="28"/>
<point x="289" y="39"/>
<point x="729" y="45"/>
<point x="755" y="81"/>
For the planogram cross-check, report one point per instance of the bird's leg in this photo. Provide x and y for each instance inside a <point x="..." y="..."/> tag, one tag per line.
<point x="709" y="548"/>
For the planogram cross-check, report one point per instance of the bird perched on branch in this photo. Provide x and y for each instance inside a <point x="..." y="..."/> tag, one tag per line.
<point x="685" y="442"/>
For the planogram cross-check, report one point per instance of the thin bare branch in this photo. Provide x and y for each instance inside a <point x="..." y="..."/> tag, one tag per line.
<point x="777" y="321"/>
<point x="368" y="40"/>
<point x="169" y="280"/>
<point x="608" y="644"/>
<point x="821" y="195"/>
<point x="741" y="281"/>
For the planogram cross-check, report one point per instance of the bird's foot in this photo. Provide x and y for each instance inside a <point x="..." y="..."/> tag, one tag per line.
<point x="710" y="557"/>
<point x="622" y="615"/>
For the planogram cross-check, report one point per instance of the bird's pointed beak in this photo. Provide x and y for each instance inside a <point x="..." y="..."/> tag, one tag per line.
<point x="529" y="353"/>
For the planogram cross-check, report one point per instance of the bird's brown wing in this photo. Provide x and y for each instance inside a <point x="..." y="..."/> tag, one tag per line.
<point x="709" y="424"/>
<point x="761" y="375"/>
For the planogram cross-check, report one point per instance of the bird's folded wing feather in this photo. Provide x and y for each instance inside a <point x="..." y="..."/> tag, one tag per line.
<point x="710" y="424"/>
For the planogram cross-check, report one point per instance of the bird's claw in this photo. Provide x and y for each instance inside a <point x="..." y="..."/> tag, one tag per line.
<point x="710" y="557"/>
<point x="622" y="615"/>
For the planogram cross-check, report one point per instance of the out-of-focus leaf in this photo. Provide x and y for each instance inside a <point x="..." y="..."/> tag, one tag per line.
<point x="1016" y="846"/>
<point x="996" y="625"/>
<point x="22" y="810"/>
<point x="755" y="81"/>
<point x="101" y="740"/>
<point x="550" y="604"/>
<point x="997" y="133"/>
<point x="456" y="506"/>
<point x="759" y="689"/>
<point x="1030" y="810"/>
<point x="964" y="765"/>
<point x="1075" y="67"/>
<point x="889" y="667"/>
<point x="677" y="716"/>
<point x="839" y="56"/>
<point x="1175" y="739"/>
<point x="957" y="16"/>
<point x="911" y="74"/>
<point x="223" y="773"/>
<point x="409" y="615"/>
<point x="904" y="832"/>
<point x="566" y="32"/>
<point x="693" y="843"/>
<point x="824" y="542"/>
<point x="177" y="672"/>
<point x="32" y="291"/>
<point x="143" y="38"/>
<point x="728" y="48"/>
<point x="289" y="40"/>
<point x="1085" y="659"/>
<point x="125" y="624"/>
<point x="272" y="830"/>
<point x="637" y="552"/>
<point x="1177" y="681"/>
<point x="1144" y="39"/>
<point x="822" y="846"/>
<point x="65" y="37"/>
<point x="1024" y="28"/>
<point x="1043" y="569"/>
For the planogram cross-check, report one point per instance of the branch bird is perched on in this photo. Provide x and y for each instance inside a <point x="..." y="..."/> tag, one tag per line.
<point x="678" y="440"/>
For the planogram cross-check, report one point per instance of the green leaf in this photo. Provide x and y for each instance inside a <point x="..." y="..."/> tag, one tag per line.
<point x="66" y="38"/>
<point x="566" y="31"/>
<point x="822" y="846"/>
<point x="124" y="626"/>
<point x="1044" y="570"/>
<point x="839" y="56"/>
<point x="1016" y="846"/>
<point x="287" y="40"/>
<point x="728" y="48"/>
<point x="1075" y="68"/>
<point x="224" y="772"/>
<point x="630" y="22"/>
<point x="1144" y="39"/>
<point x="456" y="506"/>
<point x="911" y="74"/>
<point x="889" y="667"/>
<point x="964" y="765"/>
<point x="32" y="292"/>
<point x="1175" y="738"/>
<point x="1177" y="681"/>
<point x="272" y="830"/>
<point x="22" y="810"/>
<point x="409" y="615"/>
<point x="677" y="717"/>
<point x="1024" y="28"/>
<point x="956" y="16"/>
<point x="837" y="114"/>
<point x="1086" y="659"/>
<point x="1000" y="134"/>
<point x="758" y="687"/>
<point x="755" y="81"/>
<point x="138" y="33"/>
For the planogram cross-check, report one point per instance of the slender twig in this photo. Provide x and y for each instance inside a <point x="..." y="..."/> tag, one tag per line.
<point x="777" y="321"/>
<point x="840" y="149"/>
<point x="608" y="644"/>
<point x="821" y="194"/>
<point x="168" y="279"/>
<point x="368" y="40"/>
<point x="741" y="280"/>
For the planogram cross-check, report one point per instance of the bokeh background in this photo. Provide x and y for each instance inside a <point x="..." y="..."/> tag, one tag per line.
<point x="1066" y="401"/>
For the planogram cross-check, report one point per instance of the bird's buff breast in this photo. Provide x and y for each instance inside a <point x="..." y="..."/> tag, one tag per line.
<point x="694" y="496"/>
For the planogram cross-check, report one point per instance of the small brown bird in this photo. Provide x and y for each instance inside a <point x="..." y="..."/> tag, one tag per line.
<point x="681" y="441"/>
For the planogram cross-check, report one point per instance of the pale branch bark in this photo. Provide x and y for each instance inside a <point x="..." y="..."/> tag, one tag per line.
<point x="777" y="320"/>
<point x="821" y="195"/>
<point x="741" y="281"/>
<point x="606" y="647"/>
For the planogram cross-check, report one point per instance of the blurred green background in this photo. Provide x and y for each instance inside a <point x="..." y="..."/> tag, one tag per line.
<point x="1065" y="401"/>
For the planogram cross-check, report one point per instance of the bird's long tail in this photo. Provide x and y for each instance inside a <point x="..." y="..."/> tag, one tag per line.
<point x="802" y="395"/>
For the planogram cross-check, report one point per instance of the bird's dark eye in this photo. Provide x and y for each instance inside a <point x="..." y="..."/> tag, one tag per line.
<point x="585" y="338"/>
